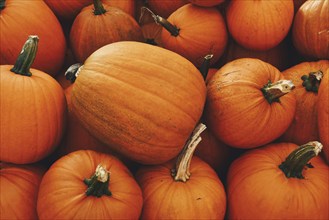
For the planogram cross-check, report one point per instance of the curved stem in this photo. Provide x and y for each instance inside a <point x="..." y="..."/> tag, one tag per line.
<point x="99" y="8"/>
<point x="296" y="161"/>
<point x="311" y="82"/>
<point x="98" y="183"/>
<point x="26" y="57"/>
<point x="273" y="91"/>
<point x="2" y="4"/>
<point x="205" y="65"/>
<point x="73" y="71"/>
<point x="181" y="172"/>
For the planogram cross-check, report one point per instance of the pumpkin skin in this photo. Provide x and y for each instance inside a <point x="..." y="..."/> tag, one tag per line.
<point x="303" y="129"/>
<point x="259" y="25"/>
<point x="323" y="114"/>
<point x="19" y="186"/>
<point x="90" y="32"/>
<point x="240" y="123"/>
<point x="139" y="111"/>
<point x="201" y="197"/>
<point x="258" y="189"/>
<point x="309" y="32"/>
<point x="192" y="42"/>
<point x="52" y="46"/>
<point x="62" y="190"/>
<point x="165" y="8"/>
<point x="206" y="3"/>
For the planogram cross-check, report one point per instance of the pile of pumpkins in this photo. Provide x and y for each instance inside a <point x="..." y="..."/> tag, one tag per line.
<point x="154" y="109"/>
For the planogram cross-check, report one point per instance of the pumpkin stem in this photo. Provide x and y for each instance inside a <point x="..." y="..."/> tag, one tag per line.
<point x="296" y="161"/>
<point x="173" y="30"/>
<point x="26" y="57"/>
<point x="205" y="65"/>
<point x="181" y="172"/>
<point x="73" y="71"/>
<point x="312" y="81"/>
<point x="98" y="184"/>
<point x="273" y="91"/>
<point x="99" y="8"/>
<point x="2" y="4"/>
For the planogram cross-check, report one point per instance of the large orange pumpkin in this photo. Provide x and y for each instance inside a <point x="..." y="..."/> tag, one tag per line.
<point x="89" y="185"/>
<point x="190" y="189"/>
<point x="165" y="8"/>
<point x="19" y="186"/>
<point x="33" y="109"/>
<point x="248" y="104"/>
<point x="310" y="29"/>
<point x="144" y="102"/>
<point x="323" y="114"/>
<point x="206" y="3"/>
<point x="259" y="25"/>
<point x="279" y="181"/>
<point x="306" y="77"/>
<point x="18" y="20"/>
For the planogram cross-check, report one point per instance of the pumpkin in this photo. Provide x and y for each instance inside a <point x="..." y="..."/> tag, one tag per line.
<point x="323" y="114"/>
<point x="152" y="33"/>
<point x="100" y="24"/>
<point x="306" y="77"/>
<point x="143" y="103"/>
<point x="184" y="33"/>
<point x="310" y="32"/>
<point x="165" y="8"/>
<point x="249" y="103"/>
<point x="67" y="10"/>
<point x="206" y="3"/>
<point x="15" y="28"/>
<point x="19" y="186"/>
<point x="89" y="185"/>
<point x="189" y="189"/>
<point x="33" y="109"/>
<point x="279" y="181"/>
<point x="259" y="25"/>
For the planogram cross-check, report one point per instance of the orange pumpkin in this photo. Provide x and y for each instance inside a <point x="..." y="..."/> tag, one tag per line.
<point x="206" y="3"/>
<point x="279" y="181"/>
<point x="259" y="25"/>
<point x="19" y="186"/>
<point x="143" y="103"/>
<point x="165" y="8"/>
<point x="18" y="20"/>
<point x="323" y="114"/>
<point x="194" y="32"/>
<point x="310" y="29"/>
<point x="100" y="24"/>
<point x="33" y="109"/>
<point x="189" y="190"/>
<point x="248" y="103"/>
<point x="306" y="77"/>
<point x="89" y="185"/>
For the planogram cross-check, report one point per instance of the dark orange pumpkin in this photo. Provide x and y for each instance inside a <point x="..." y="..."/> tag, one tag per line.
<point x="248" y="104"/>
<point x="100" y="24"/>
<point x="206" y="3"/>
<point x="259" y="25"/>
<point x="165" y="8"/>
<point x="33" y="109"/>
<point x="279" y="181"/>
<point x="307" y="77"/>
<point x="144" y="103"/>
<point x="19" y="186"/>
<point x="190" y="189"/>
<point x="72" y="189"/>
<point x="310" y="29"/>
<point x="18" y="20"/>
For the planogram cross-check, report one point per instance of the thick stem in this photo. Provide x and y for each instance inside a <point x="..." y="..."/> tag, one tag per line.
<point x="173" y="30"/>
<point x="73" y="71"/>
<point x="296" y="161"/>
<point x="311" y="82"/>
<point x="99" y="8"/>
<point x="273" y="91"/>
<point x="98" y="183"/>
<point x="2" y="4"/>
<point x="205" y="65"/>
<point x="181" y="172"/>
<point x="26" y="57"/>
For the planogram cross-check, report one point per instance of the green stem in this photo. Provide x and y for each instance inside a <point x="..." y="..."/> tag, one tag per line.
<point x="26" y="57"/>
<point x="98" y="183"/>
<point x="273" y="91"/>
<point x="296" y="161"/>
<point x="99" y="8"/>
<point x="205" y="65"/>
<point x="181" y="172"/>
<point x="2" y="4"/>
<point x="312" y="81"/>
